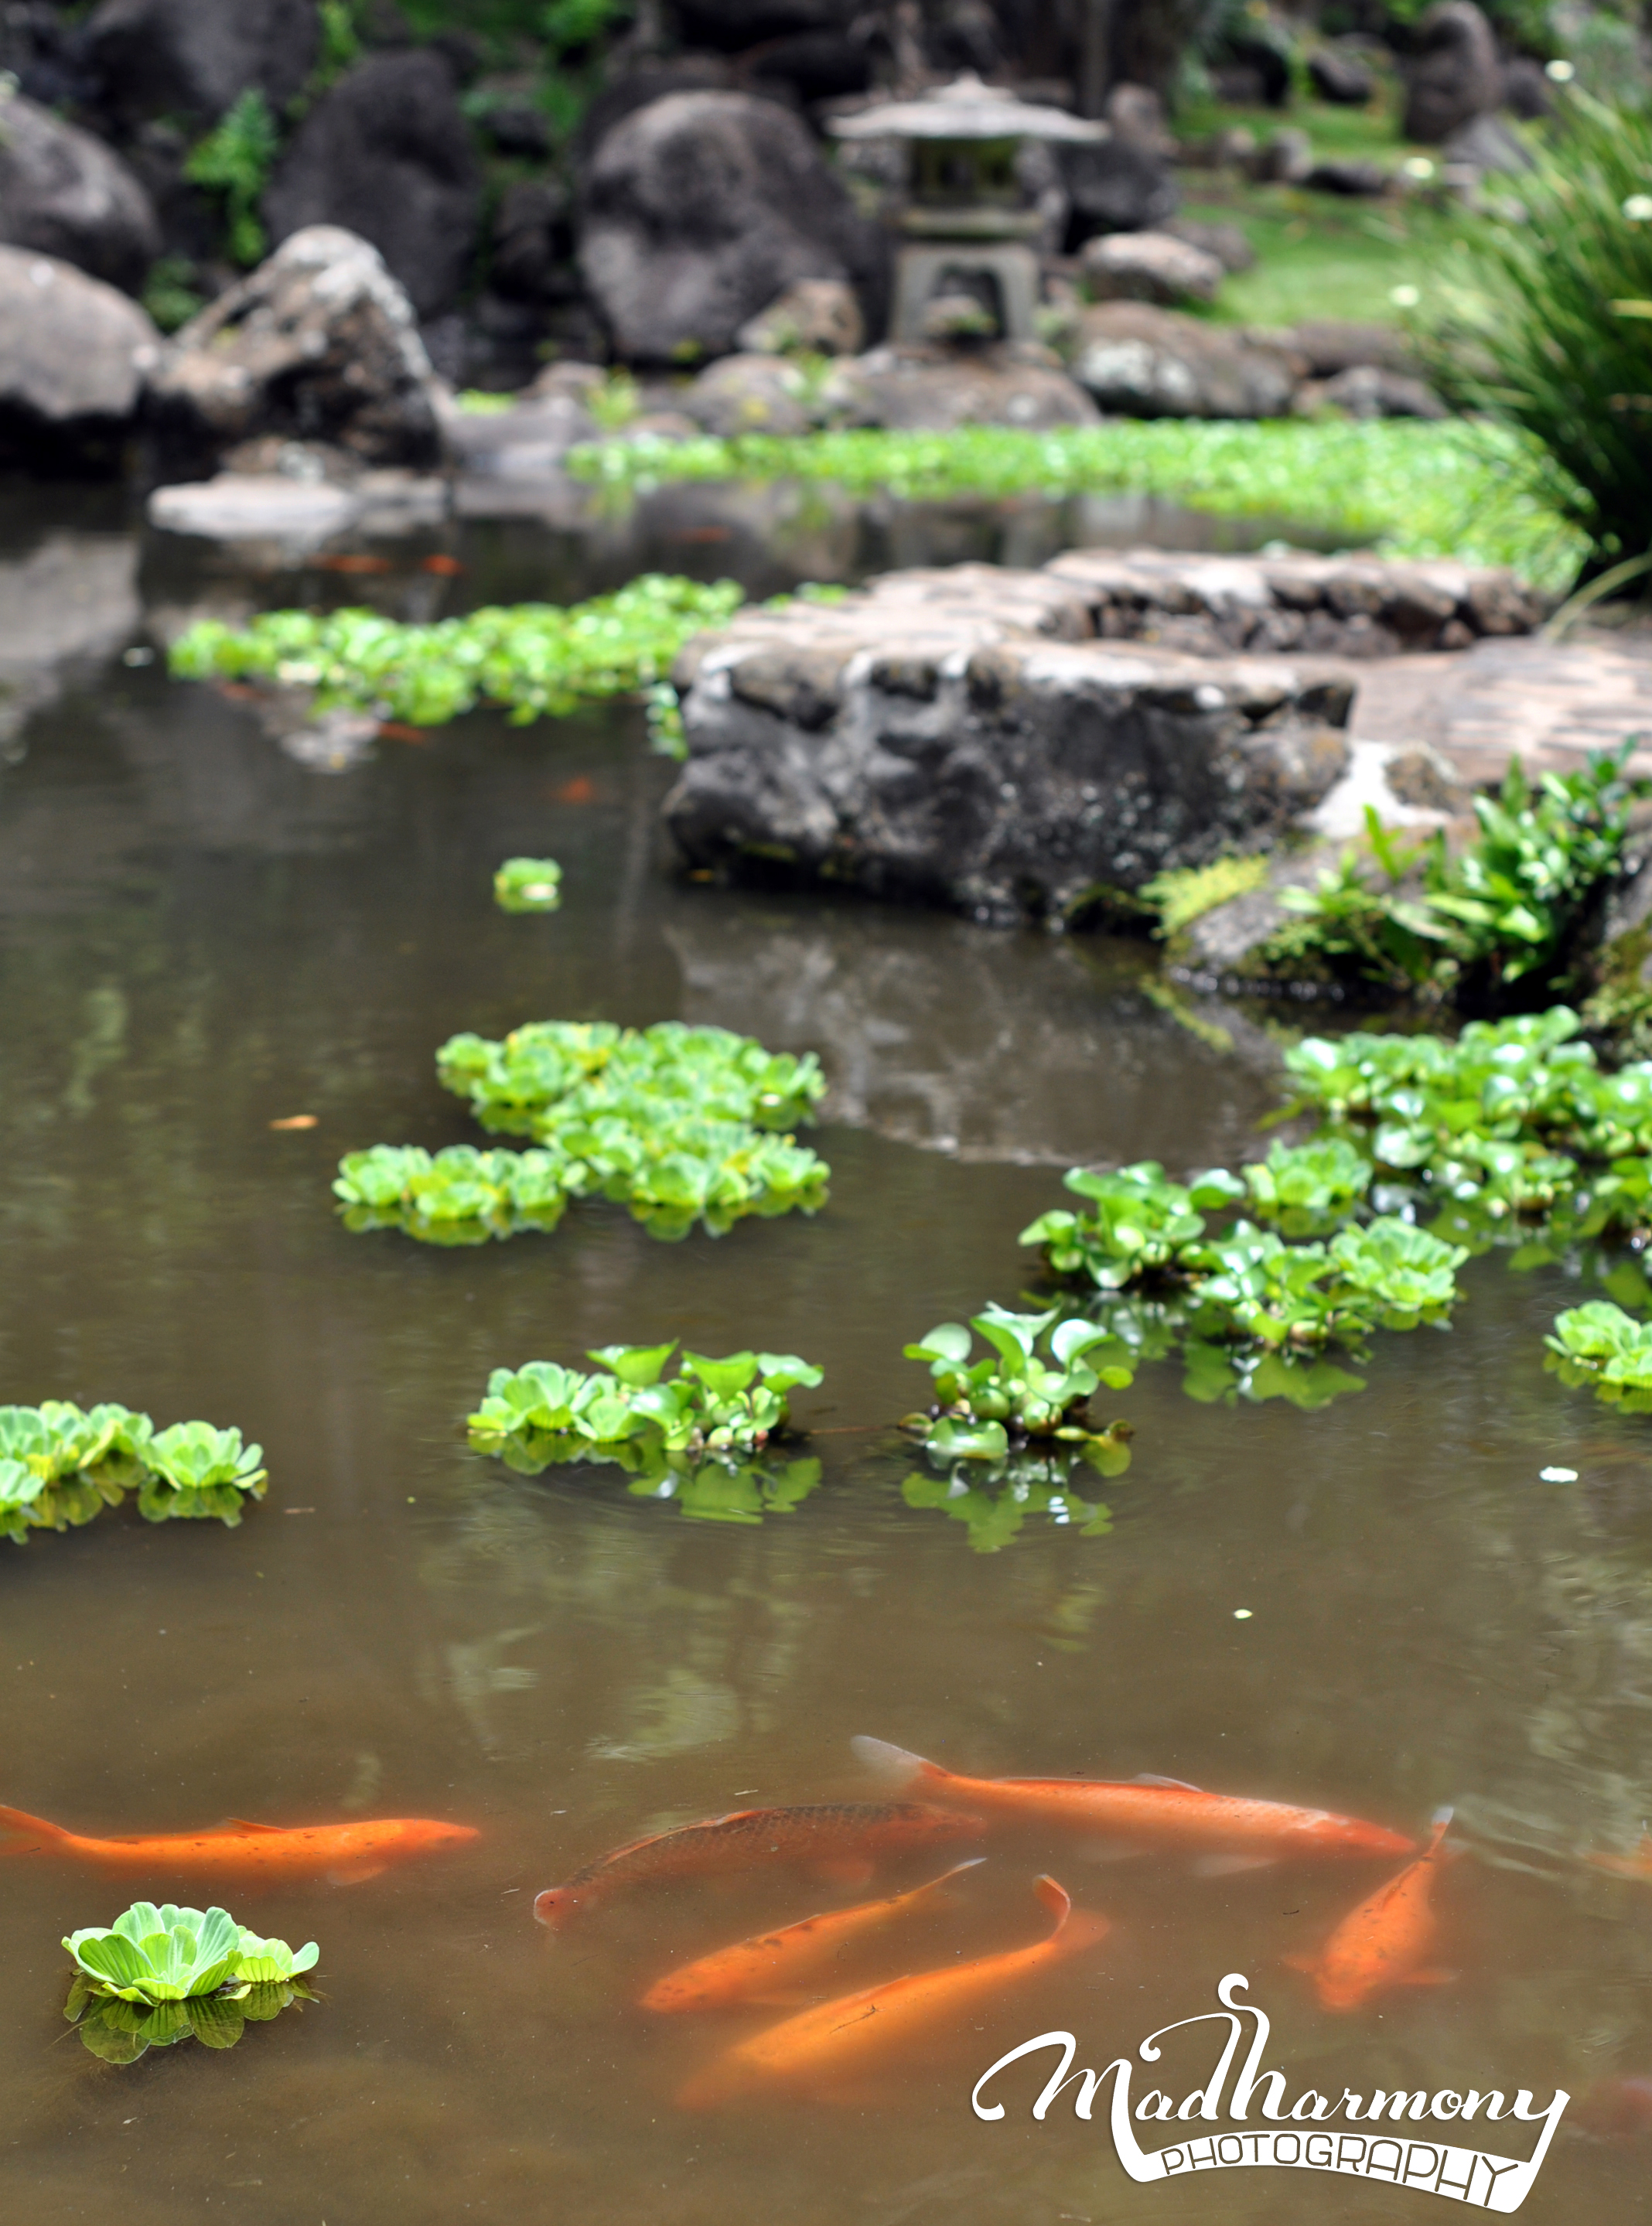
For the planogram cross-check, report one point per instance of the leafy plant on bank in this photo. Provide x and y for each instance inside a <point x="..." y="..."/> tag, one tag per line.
<point x="235" y="160"/>
<point x="60" y="1466"/>
<point x="161" y="1975"/>
<point x="1502" y="922"/>
<point x="528" y="884"/>
<point x="1019" y="1391"/>
<point x="534" y="660"/>
<point x="1186" y="893"/>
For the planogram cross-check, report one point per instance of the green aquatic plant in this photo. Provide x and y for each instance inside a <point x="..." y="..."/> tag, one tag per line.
<point x="161" y="1975"/>
<point x="1250" y="1375"/>
<point x="1305" y="1186"/>
<point x="1598" y="1343"/>
<point x="235" y="159"/>
<point x="528" y="884"/>
<point x="723" y="1487"/>
<point x="994" y="1499"/>
<point x="1388" y="1274"/>
<point x="195" y="1470"/>
<point x="1016" y="1390"/>
<point x="62" y="1464"/>
<point x="1134" y="1224"/>
<point x="629" y="1412"/>
<point x="533" y="660"/>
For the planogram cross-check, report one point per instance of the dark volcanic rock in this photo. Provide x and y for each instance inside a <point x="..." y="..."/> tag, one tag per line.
<point x="1455" y="73"/>
<point x="72" y="356"/>
<point x="1340" y="77"/>
<point x="388" y="153"/>
<point x="1119" y="185"/>
<point x="317" y="344"/>
<point x="1139" y="361"/>
<point x="196" y="57"/>
<point x="65" y="193"/>
<point x="699" y="209"/>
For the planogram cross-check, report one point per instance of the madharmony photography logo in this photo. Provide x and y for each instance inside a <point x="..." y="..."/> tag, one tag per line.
<point x="1386" y="2135"/>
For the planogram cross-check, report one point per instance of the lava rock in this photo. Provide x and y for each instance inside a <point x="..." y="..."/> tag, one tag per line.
<point x="73" y="355"/>
<point x="1340" y="77"/>
<point x="1139" y="361"/>
<point x="1118" y="186"/>
<point x="197" y="57"/>
<point x="66" y="193"/>
<point x="733" y="27"/>
<point x="1526" y="91"/>
<point x="1366" y="390"/>
<point x="1226" y="242"/>
<point x="1287" y="160"/>
<point x="748" y="394"/>
<point x="1487" y="143"/>
<point x="387" y="153"/>
<point x="818" y="315"/>
<point x="814" y="66"/>
<point x="1149" y="266"/>
<point x="319" y="343"/>
<point x="533" y="242"/>
<point x="1328" y="345"/>
<point x="1354" y="179"/>
<point x="932" y="389"/>
<point x="699" y="209"/>
<point x="1454" y="74"/>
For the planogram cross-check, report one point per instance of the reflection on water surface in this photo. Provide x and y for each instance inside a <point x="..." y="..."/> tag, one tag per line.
<point x="199" y="937"/>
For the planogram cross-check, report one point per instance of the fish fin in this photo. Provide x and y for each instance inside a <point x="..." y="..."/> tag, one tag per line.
<point x="843" y="1870"/>
<point x="1110" y="1851"/>
<point x="1176" y="1785"/>
<point x="946" y="1878"/>
<point x="1211" y="1866"/>
<point x="19" y="1820"/>
<point x="896" y="1765"/>
<point x="244" y="1824"/>
<point x="1055" y="1898"/>
<point x="353" y="1873"/>
<point x="1432" y="1978"/>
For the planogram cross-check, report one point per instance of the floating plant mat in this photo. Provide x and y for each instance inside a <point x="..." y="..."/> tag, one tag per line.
<point x="682" y="1125"/>
<point x="60" y="1465"/>
<point x="159" y="1976"/>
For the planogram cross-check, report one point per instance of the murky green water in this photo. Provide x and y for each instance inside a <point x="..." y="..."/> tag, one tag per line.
<point x="198" y="936"/>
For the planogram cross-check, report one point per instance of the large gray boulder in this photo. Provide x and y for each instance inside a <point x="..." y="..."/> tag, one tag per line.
<point x="1455" y="72"/>
<point x="1120" y="185"/>
<point x="320" y="344"/>
<point x="1139" y="361"/>
<point x="196" y="57"/>
<point x="699" y="209"/>
<point x="73" y="353"/>
<point x="65" y="193"/>
<point x="388" y="153"/>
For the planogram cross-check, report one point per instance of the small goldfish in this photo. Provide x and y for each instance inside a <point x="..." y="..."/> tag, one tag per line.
<point x="398" y="730"/>
<point x="1637" y="1866"/>
<point x="348" y="561"/>
<point x="840" y="1836"/>
<point x="345" y="1854"/>
<point x="822" y="2045"/>
<point x="1382" y="1942"/>
<point x="1156" y="1811"/>
<point x="445" y="567"/>
<point x="754" y="1969"/>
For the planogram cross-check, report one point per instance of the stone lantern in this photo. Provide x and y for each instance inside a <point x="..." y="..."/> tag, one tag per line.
<point x="964" y="217"/>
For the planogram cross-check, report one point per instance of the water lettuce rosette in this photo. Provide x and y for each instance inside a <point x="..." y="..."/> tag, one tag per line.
<point x="161" y="1974"/>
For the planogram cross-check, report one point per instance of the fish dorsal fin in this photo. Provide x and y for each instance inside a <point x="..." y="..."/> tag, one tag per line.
<point x="1176" y="1785"/>
<point x="241" y="1824"/>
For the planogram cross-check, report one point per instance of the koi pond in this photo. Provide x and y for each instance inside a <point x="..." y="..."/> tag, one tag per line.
<point x="223" y="969"/>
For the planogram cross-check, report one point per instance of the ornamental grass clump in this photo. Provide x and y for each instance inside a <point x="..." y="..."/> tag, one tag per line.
<point x="161" y="1975"/>
<point x="62" y="1464"/>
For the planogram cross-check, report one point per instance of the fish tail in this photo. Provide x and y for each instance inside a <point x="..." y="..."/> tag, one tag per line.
<point x="1056" y="1898"/>
<point x="20" y="1821"/>
<point x="894" y="1764"/>
<point x="935" y="1884"/>
<point x="1440" y="1823"/>
<point x="1074" y="1927"/>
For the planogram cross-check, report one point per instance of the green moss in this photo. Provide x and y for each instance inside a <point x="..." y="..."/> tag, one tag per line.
<point x="1186" y="896"/>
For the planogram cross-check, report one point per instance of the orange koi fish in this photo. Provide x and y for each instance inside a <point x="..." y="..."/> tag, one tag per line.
<point x="841" y="1835"/>
<point x="845" y="2037"/>
<point x="345" y="1854"/>
<point x="1153" y="1811"/>
<point x="1383" y="1942"/>
<point x="754" y="1969"/>
<point x="1637" y="1866"/>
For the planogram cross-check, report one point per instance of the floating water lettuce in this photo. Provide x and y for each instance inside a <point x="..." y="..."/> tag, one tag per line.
<point x="166" y="1973"/>
<point x="1017" y="1390"/>
<point x="994" y="1499"/>
<point x="60" y="1465"/>
<point x="528" y="884"/>
<point x="1600" y="1344"/>
<point x="1135" y="1222"/>
<point x="629" y="1411"/>
<point x="1303" y="1186"/>
<point x="1389" y="1274"/>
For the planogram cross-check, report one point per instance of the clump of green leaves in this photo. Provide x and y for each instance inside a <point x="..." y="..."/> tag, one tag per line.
<point x="534" y="660"/>
<point x="235" y="160"/>
<point x="993" y="1498"/>
<point x="1501" y="923"/>
<point x="1390" y="1275"/>
<point x="547" y="1074"/>
<point x="158" y="1975"/>
<point x="60" y="1465"/>
<point x="528" y="884"/>
<point x="1184" y="895"/>
<point x="1035" y="1382"/>
<point x="1133" y="1226"/>
<point x="659" y="1427"/>
<point x="1598" y="1343"/>
<point x="1305" y="1186"/>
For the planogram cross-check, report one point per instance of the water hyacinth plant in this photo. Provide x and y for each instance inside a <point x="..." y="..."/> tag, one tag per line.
<point x="528" y="884"/>
<point x="161" y="1975"/>
<point x="60" y="1465"/>
<point x="1133" y="1225"/>
<point x="1598" y="1343"/>
<point x="543" y="1074"/>
<point x="1019" y="1391"/>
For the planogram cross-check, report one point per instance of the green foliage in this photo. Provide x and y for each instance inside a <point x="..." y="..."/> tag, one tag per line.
<point x="1305" y="1186"/>
<point x="1017" y="1390"/>
<point x="1183" y="896"/>
<point x="615" y="402"/>
<point x="60" y="1466"/>
<point x="1557" y="349"/>
<point x="1136" y="1223"/>
<point x="235" y="159"/>
<point x="158" y="1975"/>
<point x="533" y="659"/>
<point x="1416" y="489"/>
<point x="1600" y="1344"/>
<point x="993" y="1498"/>
<point x="1389" y="1274"/>
<point x="528" y="884"/>
<point x="549" y="1073"/>
<point x="696" y="1437"/>
<point x="478" y="402"/>
<point x="1500" y="923"/>
<point x="169" y="295"/>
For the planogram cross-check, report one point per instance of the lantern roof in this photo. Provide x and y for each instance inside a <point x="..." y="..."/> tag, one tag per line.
<point x="966" y="108"/>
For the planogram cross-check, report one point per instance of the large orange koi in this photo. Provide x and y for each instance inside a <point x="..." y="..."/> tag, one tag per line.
<point x="1151" y="1812"/>
<point x="1382" y="1942"/>
<point x="842" y="1837"/>
<point x="752" y="1970"/>
<point x="824" y="2046"/>
<point x="342" y="1852"/>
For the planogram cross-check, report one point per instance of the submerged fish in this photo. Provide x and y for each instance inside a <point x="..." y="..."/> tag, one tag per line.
<point x="842" y="2038"/>
<point x="343" y="1853"/>
<point x="1153" y="1811"/>
<point x="842" y="1836"/>
<point x="1383" y="1942"/>
<point x="751" y="1970"/>
<point x="1637" y="1866"/>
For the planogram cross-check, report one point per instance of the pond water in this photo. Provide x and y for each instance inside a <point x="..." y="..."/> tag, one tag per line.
<point x="199" y="936"/>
